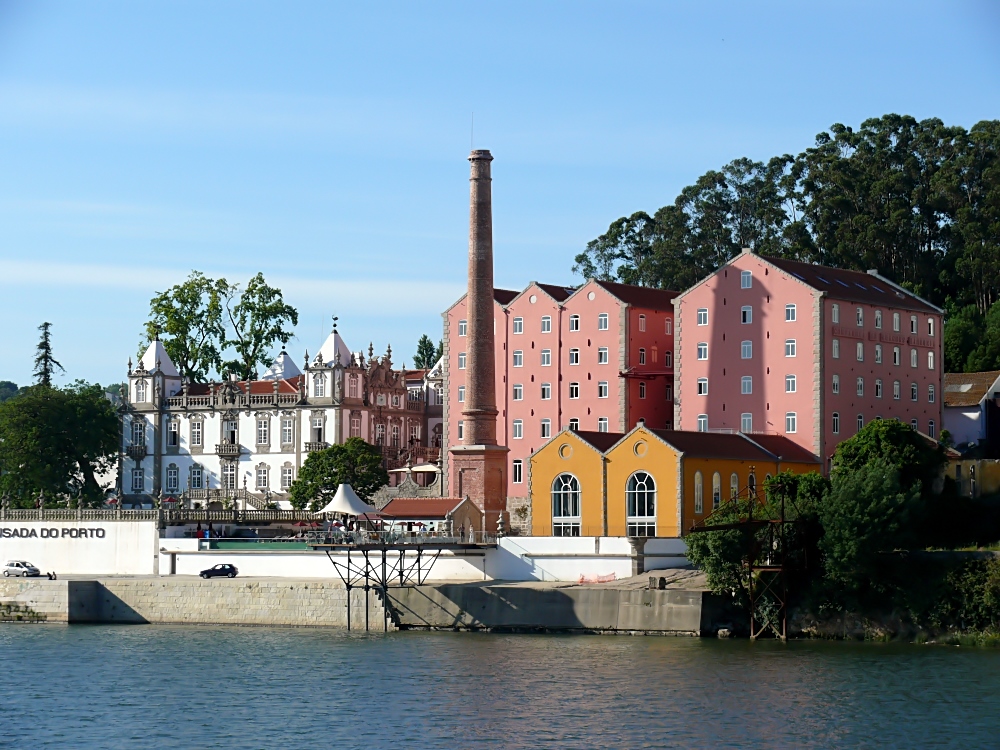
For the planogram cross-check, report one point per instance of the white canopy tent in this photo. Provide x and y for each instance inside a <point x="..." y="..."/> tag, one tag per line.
<point x="418" y="469"/>
<point x="347" y="501"/>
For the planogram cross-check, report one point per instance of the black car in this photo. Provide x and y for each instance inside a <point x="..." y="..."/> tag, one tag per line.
<point x="222" y="569"/>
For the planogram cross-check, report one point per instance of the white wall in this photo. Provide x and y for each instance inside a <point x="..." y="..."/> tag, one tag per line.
<point x="309" y="564"/>
<point x="82" y="547"/>
<point x="964" y="423"/>
<point x="541" y="558"/>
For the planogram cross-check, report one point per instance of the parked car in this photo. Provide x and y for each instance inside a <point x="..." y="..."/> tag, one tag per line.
<point x="222" y="569"/>
<point x="20" y="568"/>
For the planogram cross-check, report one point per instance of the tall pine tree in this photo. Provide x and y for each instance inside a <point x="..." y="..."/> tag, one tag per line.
<point x="45" y="363"/>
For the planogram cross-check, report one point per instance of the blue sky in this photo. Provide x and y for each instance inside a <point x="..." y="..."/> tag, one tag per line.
<point x="326" y="145"/>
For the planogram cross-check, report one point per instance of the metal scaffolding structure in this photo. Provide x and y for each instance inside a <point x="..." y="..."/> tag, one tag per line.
<point x="765" y="528"/>
<point x="377" y="566"/>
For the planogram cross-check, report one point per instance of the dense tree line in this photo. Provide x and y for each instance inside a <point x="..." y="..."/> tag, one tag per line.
<point x="917" y="200"/>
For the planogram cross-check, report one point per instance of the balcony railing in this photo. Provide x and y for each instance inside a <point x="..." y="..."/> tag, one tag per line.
<point x="227" y="449"/>
<point x="312" y="447"/>
<point x="136" y="452"/>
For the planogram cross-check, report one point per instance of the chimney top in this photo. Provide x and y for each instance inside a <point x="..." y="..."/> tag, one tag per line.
<point x="480" y="154"/>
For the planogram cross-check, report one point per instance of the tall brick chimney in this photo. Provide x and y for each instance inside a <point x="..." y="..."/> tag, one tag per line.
<point x="479" y="464"/>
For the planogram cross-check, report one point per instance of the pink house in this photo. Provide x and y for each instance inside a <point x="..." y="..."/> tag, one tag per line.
<point x="766" y="345"/>
<point x="598" y="357"/>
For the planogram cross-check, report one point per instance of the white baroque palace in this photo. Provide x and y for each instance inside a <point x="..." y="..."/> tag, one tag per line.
<point x="201" y="442"/>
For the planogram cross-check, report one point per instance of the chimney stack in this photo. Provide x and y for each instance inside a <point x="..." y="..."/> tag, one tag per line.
<point x="480" y="412"/>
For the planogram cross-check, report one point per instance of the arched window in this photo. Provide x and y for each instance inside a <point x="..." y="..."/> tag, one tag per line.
<point x="734" y="485"/>
<point x="566" y="506"/>
<point x="752" y="485"/>
<point x="699" y="493"/>
<point x="319" y="386"/>
<point x="140" y="391"/>
<point x="716" y="490"/>
<point x="640" y="504"/>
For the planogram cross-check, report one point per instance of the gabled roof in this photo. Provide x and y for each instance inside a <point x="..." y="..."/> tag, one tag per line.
<point x="855" y="286"/>
<point x="783" y="447"/>
<point x="559" y="293"/>
<point x="640" y="296"/>
<point x="504" y="296"/>
<point x="602" y="441"/>
<point x="713" y="444"/>
<point x="157" y="353"/>
<point x="421" y="507"/>
<point x="969" y="388"/>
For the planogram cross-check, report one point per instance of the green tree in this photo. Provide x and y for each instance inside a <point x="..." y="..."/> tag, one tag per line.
<point x="961" y="336"/>
<point x="355" y="462"/>
<point x="7" y="390"/>
<point x="425" y="357"/>
<point x="889" y="442"/>
<point x="45" y="363"/>
<point x="869" y="513"/>
<point x="986" y="354"/>
<point x="188" y="319"/>
<point x="57" y="440"/>
<point x="257" y="321"/>
<point x="439" y="352"/>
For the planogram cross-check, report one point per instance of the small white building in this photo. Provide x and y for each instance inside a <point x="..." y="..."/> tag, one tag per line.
<point x="202" y="442"/>
<point x="970" y="404"/>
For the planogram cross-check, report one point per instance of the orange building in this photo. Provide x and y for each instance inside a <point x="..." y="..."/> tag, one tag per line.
<point x="648" y="482"/>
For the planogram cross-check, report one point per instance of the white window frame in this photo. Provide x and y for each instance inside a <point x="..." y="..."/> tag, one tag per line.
<point x="517" y="471"/>
<point x="702" y="350"/>
<point x="746" y="385"/>
<point x="746" y="315"/>
<point x="746" y="349"/>
<point x="546" y="357"/>
<point x="791" y="383"/>
<point x="602" y="424"/>
<point x="461" y="360"/>
<point x="546" y="391"/>
<point x="574" y="322"/>
<point x="702" y="423"/>
<point x="642" y="323"/>
<point x="517" y="429"/>
<point x="835" y="313"/>
<point x="602" y="355"/>
<point x="790" y="313"/>
<point x="517" y="325"/>
<point x="602" y="322"/>
<point x="602" y="389"/>
<point x="517" y="358"/>
<point x="746" y="423"/>
<point x="791" y="422"/>
<point x="546" y="324"/>
<point x="574" y="390"/>
<point x="702" y="386"/>
<point x="574" y="356"/>
<point x="836" y="423"/>
<point x="835" y="384"/>
<point x="746" y="280"/>
<point x="790" y="348"/>
<point x="517" y="392"/>
<point x="546" y="428"/>
<point x="463" y="327"/>
<point x="702" y="316"/>
<point x="461" y="394"/>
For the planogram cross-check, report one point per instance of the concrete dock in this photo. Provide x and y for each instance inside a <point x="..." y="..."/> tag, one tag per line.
<point x="681" y="607"/>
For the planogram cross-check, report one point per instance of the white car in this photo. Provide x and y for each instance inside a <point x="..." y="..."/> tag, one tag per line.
<point x="20" y="568"/>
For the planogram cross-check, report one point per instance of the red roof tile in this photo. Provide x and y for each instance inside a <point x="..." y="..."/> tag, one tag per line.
<point x="968" y="388"/>
<point x="641" y="296"/>
<point x="855" y="286"/>
<point x="602" y="441"/>
<point x="782" y="446"/>
<point x="420" y="507"/>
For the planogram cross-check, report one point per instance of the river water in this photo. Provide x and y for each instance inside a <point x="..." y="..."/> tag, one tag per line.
<point x="218" y="687"/>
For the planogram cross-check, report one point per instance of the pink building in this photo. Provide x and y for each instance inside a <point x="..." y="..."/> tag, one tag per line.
<point x="598" y="358"/>
<point x="776" y="346"/>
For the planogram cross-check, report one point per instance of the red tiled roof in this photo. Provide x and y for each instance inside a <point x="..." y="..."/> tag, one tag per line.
<point x="968" y="388"/>
<point x="855" y="286"/>
<point x="602" y="441"/>
<point x="559" y="293"/>
<point x="641" y="296"/>
<point x="782" y="446"/>
<point x="420" y="507"/>
<point x="714" y="445"/>
<point x="257" y="387"/>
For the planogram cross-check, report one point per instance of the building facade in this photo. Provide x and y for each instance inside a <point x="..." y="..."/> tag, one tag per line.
<point x="595" y="358"/>
<point x="649" y="482"/>
<point x="772" y="346"/>
<point x="202" y="441"/>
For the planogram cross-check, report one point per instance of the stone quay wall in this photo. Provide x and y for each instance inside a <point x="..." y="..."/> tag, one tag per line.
<point x="237" y="601"/>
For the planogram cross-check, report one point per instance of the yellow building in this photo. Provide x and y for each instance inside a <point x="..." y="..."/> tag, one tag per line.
<point x="648" y="482"/>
